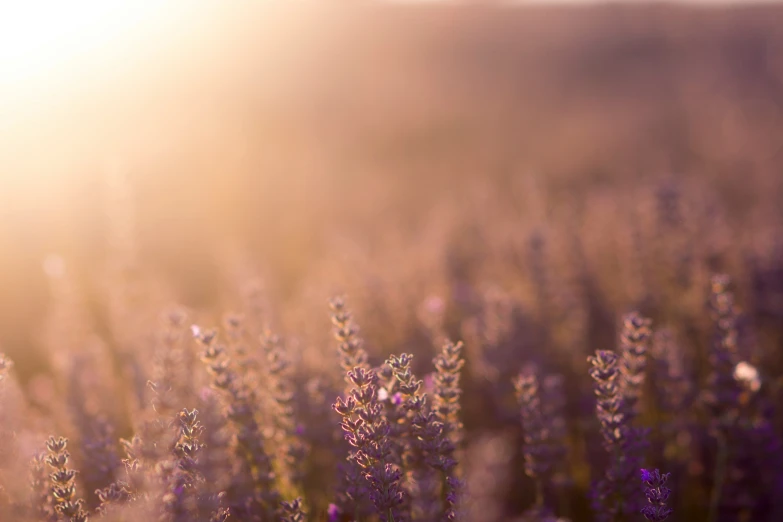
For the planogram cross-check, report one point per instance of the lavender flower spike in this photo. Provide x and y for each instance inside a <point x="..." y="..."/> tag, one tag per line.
<point x="657" y="494"/>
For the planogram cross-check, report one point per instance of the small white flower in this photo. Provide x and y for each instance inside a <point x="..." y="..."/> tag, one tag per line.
<point x="748" y="375"/>
<point x="383" y="394"/>
<point x="195" y="330"/>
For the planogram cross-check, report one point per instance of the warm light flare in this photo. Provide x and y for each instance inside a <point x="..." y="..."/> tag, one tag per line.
<point x="38" y="38"/>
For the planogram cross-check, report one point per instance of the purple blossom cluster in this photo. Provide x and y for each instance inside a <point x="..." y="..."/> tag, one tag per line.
<point x="491" y="356"/>
<point x="406" y="449"/>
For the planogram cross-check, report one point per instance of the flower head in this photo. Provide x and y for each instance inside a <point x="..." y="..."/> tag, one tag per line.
<point x="333" y="513"/>
<point x="657" y="494"/>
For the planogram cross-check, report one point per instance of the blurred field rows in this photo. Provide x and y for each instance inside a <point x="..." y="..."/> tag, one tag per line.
<point x="326" y="138"/>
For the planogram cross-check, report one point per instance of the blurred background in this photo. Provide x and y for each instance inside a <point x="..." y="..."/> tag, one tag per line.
<point x="315" y="141"/>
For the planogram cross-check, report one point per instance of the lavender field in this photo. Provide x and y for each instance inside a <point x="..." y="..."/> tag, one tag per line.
<point x="369" y="262"/>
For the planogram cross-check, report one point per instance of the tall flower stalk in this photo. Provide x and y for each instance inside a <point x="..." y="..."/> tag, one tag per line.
<point x="366" y="430"/>
<point x="447" y="393"/>
<point x="609" y="410"/>
<point x="180" y="474"/>
<point x="352" y="489"/>
<point x="63" y="479"/>
<point x="618" y="385"/>
<point x="253" y="490"/>
<point x="536" y="450"/>
<point x="657" y="495"/>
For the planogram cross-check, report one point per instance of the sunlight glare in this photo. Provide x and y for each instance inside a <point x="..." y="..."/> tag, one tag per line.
<point x="38" y="37"/>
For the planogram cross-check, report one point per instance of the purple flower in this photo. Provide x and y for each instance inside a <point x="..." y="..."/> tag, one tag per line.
<point x="333" y="512"/>
<point x="618" y="385"/>
<point x="657" y="494"/>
